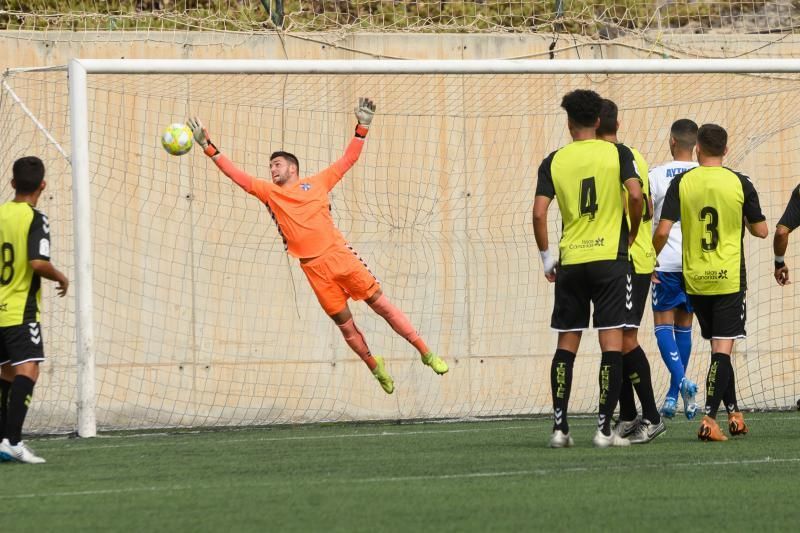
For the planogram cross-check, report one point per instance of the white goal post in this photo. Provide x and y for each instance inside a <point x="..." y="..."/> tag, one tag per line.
<point x="561" y="75"/>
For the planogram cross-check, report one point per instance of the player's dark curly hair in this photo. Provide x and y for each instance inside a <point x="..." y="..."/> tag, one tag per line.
<point x="291" y="158"/>
<point x="28" y="173"/>
<point x="582" y="106"/>
<point x="713" y="139"/>
<point x="609" y="114"/>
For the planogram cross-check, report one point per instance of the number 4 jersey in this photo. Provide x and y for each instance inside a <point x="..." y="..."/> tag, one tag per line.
<point x="585" y="177"/>
<point x="711" y="204"/>
<point x="24" y="236"/>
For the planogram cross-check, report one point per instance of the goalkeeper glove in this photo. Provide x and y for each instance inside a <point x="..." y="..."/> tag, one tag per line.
<point x="365" y="111"/>
<point x="200" y="134"/>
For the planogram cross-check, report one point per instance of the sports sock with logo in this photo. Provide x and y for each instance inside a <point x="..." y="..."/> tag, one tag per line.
<point x="729" y="398"/>
<point x="5" y="389"/>
<point x="717" y="382"/>
<point x="665" y="337"/>
<point x="20" y="399"/>
<point x="561" y="386"/>
<point x="610" y="381"/>
<point x="627" y="403"/>
<point x="637" y="368"/>
<point x="683" y="338"/>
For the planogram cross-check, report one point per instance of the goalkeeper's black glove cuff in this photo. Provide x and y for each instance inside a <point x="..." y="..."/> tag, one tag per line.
<point x="210" y="150"/>
<point x="361" y="131"/>
<point x="779" y="264"/>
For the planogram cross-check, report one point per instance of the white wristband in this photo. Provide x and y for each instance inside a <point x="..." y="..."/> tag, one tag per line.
<point x="779" y="258"/>
<point x="547" y="261"/>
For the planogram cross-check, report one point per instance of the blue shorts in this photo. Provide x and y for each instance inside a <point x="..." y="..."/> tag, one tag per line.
<point x="670" y="293"/>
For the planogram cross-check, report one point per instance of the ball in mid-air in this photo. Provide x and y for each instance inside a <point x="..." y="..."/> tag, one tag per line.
<point x="177" y="139"/>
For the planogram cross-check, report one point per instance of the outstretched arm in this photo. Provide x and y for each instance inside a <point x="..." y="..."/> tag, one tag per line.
<point x="346" y="162"/>
<point x="365" y="111"/>
<point x="250" y="184"/>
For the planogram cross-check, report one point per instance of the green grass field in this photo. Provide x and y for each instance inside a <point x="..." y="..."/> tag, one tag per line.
<point x="465" y="476"/>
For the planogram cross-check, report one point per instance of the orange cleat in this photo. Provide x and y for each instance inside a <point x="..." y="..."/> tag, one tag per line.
<point x="709" y="430"/>
<point x="736" y="425"/>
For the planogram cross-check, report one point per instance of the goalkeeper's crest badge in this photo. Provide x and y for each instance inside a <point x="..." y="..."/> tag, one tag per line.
<point x="305" y="186"/>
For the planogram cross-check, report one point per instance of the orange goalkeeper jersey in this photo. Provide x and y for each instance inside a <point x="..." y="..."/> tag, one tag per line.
<point x="302" y="211"/>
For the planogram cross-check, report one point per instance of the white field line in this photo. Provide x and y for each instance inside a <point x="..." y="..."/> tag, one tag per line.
<point x="308" y="437"/>
<point x="155" y="440"/>
<point x="584" y="422"/>
<point x="538" y="472"/>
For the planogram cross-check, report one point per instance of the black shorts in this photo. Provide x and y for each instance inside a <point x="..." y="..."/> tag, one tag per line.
<point x="721" y="316"/>
<point x="21" y="344"/>
<point x="603" y="283"/>
<point x="639" y="289"/>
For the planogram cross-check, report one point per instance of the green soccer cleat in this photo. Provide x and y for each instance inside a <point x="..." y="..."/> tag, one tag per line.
<point x="435" y="362"/>
<point x="383" y="376"/>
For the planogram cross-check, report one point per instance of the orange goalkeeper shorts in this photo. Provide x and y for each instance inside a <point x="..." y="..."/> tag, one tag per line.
<point x="339" y="274"/>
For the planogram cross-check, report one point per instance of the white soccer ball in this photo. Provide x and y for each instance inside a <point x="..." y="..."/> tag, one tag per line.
<point x="177" y="139"/>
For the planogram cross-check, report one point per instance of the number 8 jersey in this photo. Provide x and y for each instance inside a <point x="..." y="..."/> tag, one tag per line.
<point x="711" y="203"/>
<point x="586" y="179"/>
<point x="24" y="236"/>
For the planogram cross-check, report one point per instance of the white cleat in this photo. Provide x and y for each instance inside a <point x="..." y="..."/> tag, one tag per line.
<point x="613" y="440"/>
<point x="559" y="439"/>
<point x="20" y="453"/>
<point x="626" y="428"/>
<point x="648" y="431"/>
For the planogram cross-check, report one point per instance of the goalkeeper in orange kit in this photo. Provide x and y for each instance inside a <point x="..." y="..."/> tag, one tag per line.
<point x="301" y="209"/>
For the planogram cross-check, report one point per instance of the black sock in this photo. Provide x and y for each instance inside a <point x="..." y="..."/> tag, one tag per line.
<point x="20" y="399"/>
<point x="5" y="388"/>
<point x="610" y="381"/>
<point x="627" y="403"/>
<point x="717" y="382"/>
<point x="637" y="367"/>
<point x="729" y="398"/>
<point x="561" y="386"/>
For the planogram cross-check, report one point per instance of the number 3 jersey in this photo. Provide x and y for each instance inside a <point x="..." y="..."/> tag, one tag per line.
<point x="712" y="203"/>
<point x="585" y="177"/>
<point x="24" y="236"/>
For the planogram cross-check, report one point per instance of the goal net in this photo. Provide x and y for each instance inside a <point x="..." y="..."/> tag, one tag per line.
<point x="199" y="318"/>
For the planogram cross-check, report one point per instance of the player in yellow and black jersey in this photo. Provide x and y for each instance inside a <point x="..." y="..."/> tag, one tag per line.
<point x="586" y="178"/>
<point x="789" y="221"/>
<point x="714" y="204"/>
<point x="25" y="259"/>
<point x="635" y="366"/>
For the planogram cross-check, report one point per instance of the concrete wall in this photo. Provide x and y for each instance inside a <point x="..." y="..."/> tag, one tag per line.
<point x="200" y="317"/>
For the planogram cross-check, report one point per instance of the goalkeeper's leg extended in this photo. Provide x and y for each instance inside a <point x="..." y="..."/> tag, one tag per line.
<point x="333" y="299"/>
<point x="402" y="326"/>
<point x="355" y="339"/>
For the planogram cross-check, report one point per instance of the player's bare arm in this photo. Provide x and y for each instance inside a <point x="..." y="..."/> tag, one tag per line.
<point x="47" y="270"/>
<point x="758" y="229"/>
<point x="779" y="244"/>
<point x="635" y="206"/>
<point x="660" y="238"/>
<point x="540" y="206"/>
